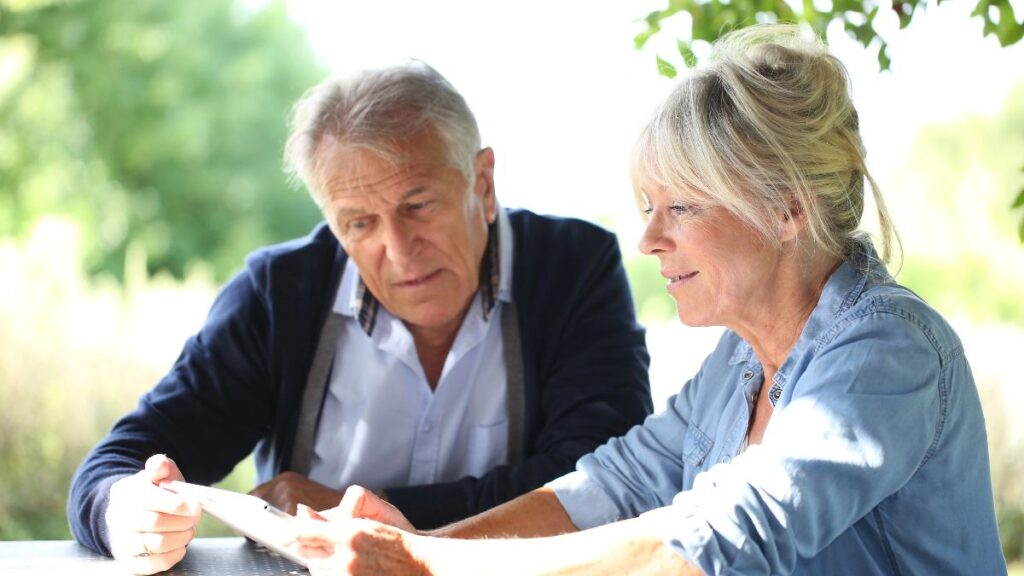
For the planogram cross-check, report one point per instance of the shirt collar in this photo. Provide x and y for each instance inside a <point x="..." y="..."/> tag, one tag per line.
<point x="860" y="269"/>
<point x="355" y="300"/>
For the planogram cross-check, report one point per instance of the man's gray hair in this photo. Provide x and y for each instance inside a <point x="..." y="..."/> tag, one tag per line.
<point x="374" y="109"/>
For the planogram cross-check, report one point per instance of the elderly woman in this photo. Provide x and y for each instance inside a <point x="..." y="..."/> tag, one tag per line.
<point x="835" y="429"/>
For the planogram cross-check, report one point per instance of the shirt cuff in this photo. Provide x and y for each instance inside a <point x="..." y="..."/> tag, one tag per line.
<point x="587" y="504"/>
<point x="99" y="512"/>
<point x="681" y="528"/>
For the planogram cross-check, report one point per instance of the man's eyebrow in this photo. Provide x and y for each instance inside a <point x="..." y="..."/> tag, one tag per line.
<point x="345" y="211"/>
<point x="414" y="192"/>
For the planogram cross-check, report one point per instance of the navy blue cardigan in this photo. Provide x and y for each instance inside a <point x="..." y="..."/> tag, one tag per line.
<point x="237" y="386"/>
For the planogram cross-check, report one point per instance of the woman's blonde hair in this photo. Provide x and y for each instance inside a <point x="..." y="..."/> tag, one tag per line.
<point x="767" y="126"/>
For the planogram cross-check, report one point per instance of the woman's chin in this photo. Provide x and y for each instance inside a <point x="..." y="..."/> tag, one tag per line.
<point x="692" y="320"/>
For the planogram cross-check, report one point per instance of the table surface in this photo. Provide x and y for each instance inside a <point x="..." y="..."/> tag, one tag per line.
<point x="206" y="556"/>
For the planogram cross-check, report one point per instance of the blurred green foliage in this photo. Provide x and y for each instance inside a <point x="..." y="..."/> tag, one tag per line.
<point x="966" y="167"/>
<point x="158" y="126"/>
<point x="709" y="19"/>
<point x="1018" y="203"/>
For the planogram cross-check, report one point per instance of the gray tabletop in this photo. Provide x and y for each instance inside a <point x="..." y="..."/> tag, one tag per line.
<point x="206" y="556"/>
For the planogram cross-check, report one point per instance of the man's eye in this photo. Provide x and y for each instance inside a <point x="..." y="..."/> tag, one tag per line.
<point x="416" y="206"/>
<point x="358" y="225"/>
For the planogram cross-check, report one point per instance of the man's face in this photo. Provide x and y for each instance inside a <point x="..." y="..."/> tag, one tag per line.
<point x="416" y="229"/>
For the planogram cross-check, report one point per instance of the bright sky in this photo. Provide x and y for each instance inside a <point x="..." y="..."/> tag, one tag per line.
<point x="560" y="92"/>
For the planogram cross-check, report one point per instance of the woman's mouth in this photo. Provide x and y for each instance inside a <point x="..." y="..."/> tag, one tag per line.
<point x="680" y="279"/>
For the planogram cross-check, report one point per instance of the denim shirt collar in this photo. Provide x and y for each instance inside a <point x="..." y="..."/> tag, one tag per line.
<point x="861" y="269"/>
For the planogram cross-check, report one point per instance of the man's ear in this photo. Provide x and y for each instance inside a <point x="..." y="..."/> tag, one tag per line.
<point x="484" y="188"/>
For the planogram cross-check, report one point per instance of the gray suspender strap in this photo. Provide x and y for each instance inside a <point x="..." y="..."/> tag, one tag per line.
<point x="514" y="375"/>
<point x="316" y="385"/>
<point x="313" y="396"/>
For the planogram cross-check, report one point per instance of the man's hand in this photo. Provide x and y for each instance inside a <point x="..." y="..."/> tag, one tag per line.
<point x="149" y="527"/>
<point x="289" y="489"/>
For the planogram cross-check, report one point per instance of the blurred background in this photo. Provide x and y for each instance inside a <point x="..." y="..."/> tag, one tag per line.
<point x="140" y="147"/>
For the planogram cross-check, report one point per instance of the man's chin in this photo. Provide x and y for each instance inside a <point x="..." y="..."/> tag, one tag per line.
<point x="427" y="317"/>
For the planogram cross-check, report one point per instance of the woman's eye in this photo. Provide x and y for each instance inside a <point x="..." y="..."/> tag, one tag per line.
<point x="685" y="209"/>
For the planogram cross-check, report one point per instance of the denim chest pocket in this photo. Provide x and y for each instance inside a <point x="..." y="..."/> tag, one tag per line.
<point x="696" y="447"/>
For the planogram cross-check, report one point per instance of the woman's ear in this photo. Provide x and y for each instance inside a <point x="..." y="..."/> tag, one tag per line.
<point x="792" y="222"/>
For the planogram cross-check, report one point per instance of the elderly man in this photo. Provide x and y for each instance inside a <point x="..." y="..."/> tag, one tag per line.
<point x="424" y="342"/>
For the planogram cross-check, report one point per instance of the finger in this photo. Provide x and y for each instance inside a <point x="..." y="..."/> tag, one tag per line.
<point x="359" y="502"/>
<point x="316" y="532"/>
<point x="163" y="542"/>
<point x="156" y="499"/>
<point x="137" y="492"/>
<point x="304" y="511"/>
<point x="137" y="510"/>
<point x="150" y="521"/>
<point x="325" y="567"/>
<point x="313" y="551"/>
<point x="159" y="468"/>
<point x="352" y="503"/>
<point x="153" y="563"/>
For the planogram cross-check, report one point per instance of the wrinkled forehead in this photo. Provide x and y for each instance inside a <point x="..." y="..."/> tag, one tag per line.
<point x="344" y="164"/>
<point x="421" y="147"/>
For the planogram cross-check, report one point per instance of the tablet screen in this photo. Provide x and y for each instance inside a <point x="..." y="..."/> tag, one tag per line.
<point x="247" y="514"/>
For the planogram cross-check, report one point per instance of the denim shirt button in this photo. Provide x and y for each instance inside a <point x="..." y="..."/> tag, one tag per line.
<point x="776" y="394"/>
<point x="747" y="375"/>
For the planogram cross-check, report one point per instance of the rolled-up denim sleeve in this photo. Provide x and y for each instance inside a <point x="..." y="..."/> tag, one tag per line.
<point x="632" y="474"/>
<point x="864" y="415"/>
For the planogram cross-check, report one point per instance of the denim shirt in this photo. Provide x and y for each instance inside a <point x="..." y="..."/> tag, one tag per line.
<point x="874" y="461"/>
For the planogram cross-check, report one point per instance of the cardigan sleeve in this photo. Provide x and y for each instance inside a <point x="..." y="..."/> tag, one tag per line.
<point x="585" y="369"/>
<point x="206" y="414"/>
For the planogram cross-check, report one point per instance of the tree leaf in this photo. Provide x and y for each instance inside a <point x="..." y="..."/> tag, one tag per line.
<point x="884" y="62"/>
<point x="665" y="68"/>
<point x="687" y="53"/>
<point x="1008" y="30"/>
<point x="1019" y="201"/>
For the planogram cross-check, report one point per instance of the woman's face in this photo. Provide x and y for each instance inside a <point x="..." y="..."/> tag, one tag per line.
<point x="719" y="270"/>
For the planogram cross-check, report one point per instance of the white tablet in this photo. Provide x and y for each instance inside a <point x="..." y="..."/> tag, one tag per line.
<point x="250" y="515"/>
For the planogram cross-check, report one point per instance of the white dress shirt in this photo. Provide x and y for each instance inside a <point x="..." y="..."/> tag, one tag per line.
<point x="382" y="426"/>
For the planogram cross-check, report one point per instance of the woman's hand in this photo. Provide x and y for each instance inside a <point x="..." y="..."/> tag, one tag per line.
<point x="355" y="547"/>
<point x="359" y="502"/>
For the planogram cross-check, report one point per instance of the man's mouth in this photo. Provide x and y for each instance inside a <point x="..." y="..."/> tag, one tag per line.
<point x="419" y="280"/>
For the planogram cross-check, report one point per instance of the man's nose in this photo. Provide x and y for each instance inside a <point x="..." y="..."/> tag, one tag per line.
<point x="401" y="242"/>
